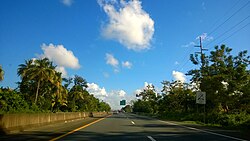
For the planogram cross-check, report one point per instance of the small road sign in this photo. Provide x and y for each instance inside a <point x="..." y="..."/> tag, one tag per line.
<point x="201" y="97"/>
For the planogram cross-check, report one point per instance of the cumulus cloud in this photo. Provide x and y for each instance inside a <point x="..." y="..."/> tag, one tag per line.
<point x="112" y="97"/>
<point x="67" y="2"/>
<point x="128" y="23"/>
<point x="179" y="76"/>
<point x="127" y="64"/>
<point x="97" y="91"/>
<point x="62" y="57"/>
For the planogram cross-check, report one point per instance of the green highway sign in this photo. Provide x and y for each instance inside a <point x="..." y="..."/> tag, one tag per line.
<point x="123" y="102"/>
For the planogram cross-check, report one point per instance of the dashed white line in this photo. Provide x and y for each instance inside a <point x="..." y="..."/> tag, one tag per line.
<point x="133" y="122"/>
<point x="151" y="138"/>
<point x="209" y="132"/>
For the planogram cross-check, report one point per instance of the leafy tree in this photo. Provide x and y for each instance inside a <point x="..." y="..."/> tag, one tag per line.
<point x="178" y="97"/>
<point x="148" y="103"/>
<point x="78" y="94"/>
<point x="127" y="109"/>
<point x="37" y="71"/>
<point x="12" y="101"/>
<point x="102" y="106"/>
<point x="223" y="77"/>
<point x="59" y="97"/>
<point x="41" y="89"/>
<point x="1" y="73"/>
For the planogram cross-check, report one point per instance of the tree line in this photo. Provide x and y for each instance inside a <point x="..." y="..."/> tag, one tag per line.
<point x="224" y="77"/>
<point x="43" y="89"/>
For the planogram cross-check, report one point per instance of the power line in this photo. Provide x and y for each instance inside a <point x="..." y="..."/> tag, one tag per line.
<point x="242" y="7"/>
<point x="227" y="30"/>
<point x="235" y="32"/>
<point x="224" y="14"/>
<point x="184" y="58"/>
<point x="229" y="17"/>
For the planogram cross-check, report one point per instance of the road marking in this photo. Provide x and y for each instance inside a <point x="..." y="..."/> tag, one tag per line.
<point x="209" y="132"/>
<point x="54" y="139"/>
<point x="151" y="138"/>
<point x="132" y="122"/>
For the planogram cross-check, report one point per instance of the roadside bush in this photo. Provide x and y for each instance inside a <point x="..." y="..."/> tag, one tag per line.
<point x="12" y="101"/>
<point x="234" y="120"/>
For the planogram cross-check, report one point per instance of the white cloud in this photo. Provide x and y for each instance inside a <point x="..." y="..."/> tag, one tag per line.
<point x="204" y="37"/>
<point x="112" y="97"/>
<point x="62" y="57"/>
<point x="128" y="23"/>
<point x="179" y="76"/>
<point x="127" y="64"/>
<point x="67" y="2"/>
<point x="96" y="90"/>
<point x="111" y="60"/>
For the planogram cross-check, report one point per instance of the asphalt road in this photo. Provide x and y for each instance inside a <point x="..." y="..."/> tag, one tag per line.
<point x="119" y="127"/>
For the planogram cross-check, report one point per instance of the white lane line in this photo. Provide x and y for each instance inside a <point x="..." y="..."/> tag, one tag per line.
<point x="151" y="138"/>
<point x="209" y="132"/>
<point x="133" y="122"/>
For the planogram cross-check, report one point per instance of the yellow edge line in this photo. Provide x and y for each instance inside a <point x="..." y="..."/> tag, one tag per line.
<point x="54" y="139"/>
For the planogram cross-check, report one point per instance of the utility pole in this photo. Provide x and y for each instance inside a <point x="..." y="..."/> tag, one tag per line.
<point x="202" y="68"/>
<point x="201" y="52"/>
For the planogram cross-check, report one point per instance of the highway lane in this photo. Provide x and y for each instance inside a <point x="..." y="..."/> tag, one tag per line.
<point x="129" y="127"/>
<point x="47" y="132"/>
<point x="119" y="127"/>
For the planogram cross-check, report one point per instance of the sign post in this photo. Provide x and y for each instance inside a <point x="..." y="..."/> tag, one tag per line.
<point x="201" y="99"/>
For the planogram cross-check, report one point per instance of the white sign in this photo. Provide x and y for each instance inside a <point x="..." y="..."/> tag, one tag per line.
<point x="201" y="97"/>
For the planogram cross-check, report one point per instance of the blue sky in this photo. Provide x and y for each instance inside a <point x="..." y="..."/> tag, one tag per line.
<point x="118" y="46"/>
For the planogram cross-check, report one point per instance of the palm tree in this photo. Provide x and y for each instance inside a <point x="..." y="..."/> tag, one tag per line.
<point x="60" y="95"/>
<point x="37" y="70"/>
<point x="1" y="73"/>
<point x="24" y="68"/>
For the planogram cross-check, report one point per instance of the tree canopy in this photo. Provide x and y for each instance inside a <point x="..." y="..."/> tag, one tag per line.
<point x="223" y="76"/>
<point x="41" y="89"/>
